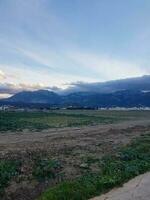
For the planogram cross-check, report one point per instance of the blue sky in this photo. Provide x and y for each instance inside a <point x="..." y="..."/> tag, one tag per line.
<point x="46" y="43"/>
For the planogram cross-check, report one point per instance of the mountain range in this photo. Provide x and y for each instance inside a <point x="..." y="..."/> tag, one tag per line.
<point x="133" y="92"/>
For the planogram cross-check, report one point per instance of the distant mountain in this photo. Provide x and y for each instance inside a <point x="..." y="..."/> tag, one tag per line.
<point x="121" y="93"/>
<point x="39" y="96"/>
<point x="126" y="98"/>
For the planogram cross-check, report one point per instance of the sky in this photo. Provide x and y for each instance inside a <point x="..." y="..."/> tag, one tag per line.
<point x="49" y="44"/>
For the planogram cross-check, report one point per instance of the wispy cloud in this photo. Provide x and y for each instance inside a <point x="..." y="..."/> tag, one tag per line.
<point x="9" y="89"/>
<point x="2" y="75"/>
<point x="107" y="67"/>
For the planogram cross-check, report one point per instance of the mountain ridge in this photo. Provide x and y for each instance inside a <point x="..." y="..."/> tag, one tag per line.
<point x="120" y="93"/>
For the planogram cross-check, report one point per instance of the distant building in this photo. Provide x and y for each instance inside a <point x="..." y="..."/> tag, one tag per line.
<point x="3" y="108"/>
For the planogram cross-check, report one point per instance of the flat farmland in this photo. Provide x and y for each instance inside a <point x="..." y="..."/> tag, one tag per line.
<point x="42" y="150"/>
<point x="18" y="121"/>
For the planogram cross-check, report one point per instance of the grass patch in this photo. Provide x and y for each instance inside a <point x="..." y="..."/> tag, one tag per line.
<point x="17" y="121"/>
<point x="46" y="169"/>
<point x="129" y="162"/>
<point x="8" y="170"/>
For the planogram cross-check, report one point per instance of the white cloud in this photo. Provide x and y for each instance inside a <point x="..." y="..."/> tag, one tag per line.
<point x="2" y="96"/>
<point x="11" y="88"/>
<point x="2" y="75"/>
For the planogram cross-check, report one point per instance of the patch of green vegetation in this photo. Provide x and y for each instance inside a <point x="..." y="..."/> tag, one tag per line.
<point x="123" y="114"/>
<point x="8" y="170"/>
<point x="88" y="161"/>
<point x="129" y="162"/>
<point x="17" y="121"/>
<point x="46" y="169"/>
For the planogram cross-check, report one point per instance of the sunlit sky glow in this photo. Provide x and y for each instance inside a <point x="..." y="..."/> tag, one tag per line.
<point x="47" y="43"/>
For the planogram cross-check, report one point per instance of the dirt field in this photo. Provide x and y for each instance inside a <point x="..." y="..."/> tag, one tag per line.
<point x="76" y="149"/>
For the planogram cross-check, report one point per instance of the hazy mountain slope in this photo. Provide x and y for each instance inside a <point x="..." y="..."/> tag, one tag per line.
<point x="40" y="96"/>
<point x="127" y="98"/>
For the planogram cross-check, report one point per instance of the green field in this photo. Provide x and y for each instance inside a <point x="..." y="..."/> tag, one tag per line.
<point x="17" y="121"/>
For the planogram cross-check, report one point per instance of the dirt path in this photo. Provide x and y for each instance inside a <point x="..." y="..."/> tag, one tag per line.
<point x="26" y="139"/>
<point x="136" y="189"/>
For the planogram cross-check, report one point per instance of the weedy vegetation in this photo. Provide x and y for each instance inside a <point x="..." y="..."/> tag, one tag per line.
<point x="18" y="121"/>
<point x="46" y="169"/>
<point x="127" y="163"/>
<point x="8" y="170"/>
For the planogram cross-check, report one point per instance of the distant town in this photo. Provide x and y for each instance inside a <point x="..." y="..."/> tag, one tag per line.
<point x="42" y="108"/>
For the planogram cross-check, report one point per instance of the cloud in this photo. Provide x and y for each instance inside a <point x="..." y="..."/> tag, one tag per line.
<point x="3" y="96"/>
<point x="2" y="75"/>
<point x="9" y="89"/>
<point x="136" y="83"/>
<point x="37" y="58"/>
<point x="107" y="67"/>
